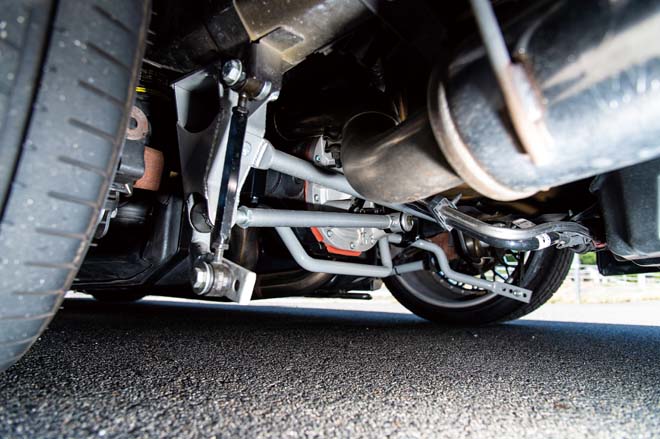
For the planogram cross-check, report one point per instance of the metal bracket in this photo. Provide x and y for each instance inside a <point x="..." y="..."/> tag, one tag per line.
<point x="511" y="291"/>
<point x="203" y="152"/>
<point x="242" y="284"/>
<point x="435" y="206"/>
<point x="223" y="279"/>
<point x="522" y="101"/>
<point x="500" y="288"/>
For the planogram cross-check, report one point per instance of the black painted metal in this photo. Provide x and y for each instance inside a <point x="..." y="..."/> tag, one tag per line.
<point x="630" y="202"/>
<point x="229" y="184"/>
<point x="597" y="70"/>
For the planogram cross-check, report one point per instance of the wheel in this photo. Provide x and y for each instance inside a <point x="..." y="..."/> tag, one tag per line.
<point x="118" y="297"/>
<point x="67" y="80"/>
<point x="432" y="296"/>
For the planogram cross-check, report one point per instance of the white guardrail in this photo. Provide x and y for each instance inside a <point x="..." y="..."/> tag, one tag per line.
<point x="586" y="277"/>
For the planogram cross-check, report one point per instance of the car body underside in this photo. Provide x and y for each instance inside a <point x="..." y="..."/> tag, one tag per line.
<point x="314" y="147"/>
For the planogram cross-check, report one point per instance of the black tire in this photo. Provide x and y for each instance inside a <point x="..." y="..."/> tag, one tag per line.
<point x="121" y="297"/>
<point x="544" y="273"/>
<point x="82" y="60"/>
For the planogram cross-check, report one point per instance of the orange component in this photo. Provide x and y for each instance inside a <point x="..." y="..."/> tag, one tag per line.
<point x="442" y="239"/>
<point x="319" y="237"/>
<point x="154" y="162"/>
<point x="337" y="251"/>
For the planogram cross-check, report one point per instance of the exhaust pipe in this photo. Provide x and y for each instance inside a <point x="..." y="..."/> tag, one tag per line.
<point x="394" y="164"/>
<point x="594" y="69"/>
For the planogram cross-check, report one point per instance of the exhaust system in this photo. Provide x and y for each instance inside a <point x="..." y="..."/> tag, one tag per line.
<point x="586" y="84"/>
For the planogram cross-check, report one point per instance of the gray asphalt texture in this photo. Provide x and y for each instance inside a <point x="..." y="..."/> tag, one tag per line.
<point x="188" y="370"/>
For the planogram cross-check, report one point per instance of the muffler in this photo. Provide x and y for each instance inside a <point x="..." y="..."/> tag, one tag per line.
<point x="595" y="70"/>
<point x="394" y="164"/>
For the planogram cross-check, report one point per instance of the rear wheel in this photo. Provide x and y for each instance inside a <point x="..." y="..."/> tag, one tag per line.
<point x="434" y="297"/>
<point x="67" y="80"/>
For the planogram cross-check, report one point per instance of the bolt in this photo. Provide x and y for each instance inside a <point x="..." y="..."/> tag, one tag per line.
<point x="317" y="158"/>
<point x="352" y="245"/>
<point x="317" y="198"/>
<point x="407" y="222"/>
<point x="329" y="233"/>
<point x="200" y="279"/>
<point x="232" y="72"/>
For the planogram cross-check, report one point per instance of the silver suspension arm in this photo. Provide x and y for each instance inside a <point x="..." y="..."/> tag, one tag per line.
<point x="252" y="217"/>
<point x="347" y="268"/>
<point x="388" y="269"/>
<point x="501" y="288"/>
<point x="279" y="161"/>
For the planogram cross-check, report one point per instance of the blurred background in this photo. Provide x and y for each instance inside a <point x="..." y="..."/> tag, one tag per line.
<point x="585" y="285"/>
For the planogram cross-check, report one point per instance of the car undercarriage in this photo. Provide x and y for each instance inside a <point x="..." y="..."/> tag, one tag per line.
<point x="461" y="152"/>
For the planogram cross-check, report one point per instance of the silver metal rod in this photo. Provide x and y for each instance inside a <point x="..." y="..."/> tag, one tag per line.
<point x="409" y="267"/>
<point x="409" y="211"/>
<point x="290" y="165"/>
<point x="384" y="250"/>
<point x="351" y="269"/>
<point x="492" y="37"/>
<point x="304" y="170"/>
<point x="531" y="238"/>
<point x="501" y="288"/>
<point x="248" y="217"/>
<point x="323" y="266"/>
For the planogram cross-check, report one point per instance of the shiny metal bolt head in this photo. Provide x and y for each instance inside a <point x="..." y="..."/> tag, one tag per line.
<point x="329" y="233"/>
<point x="352" y="245"/>
<point x="202" y="278"/>
<point x="317" y="158"/>
<point x="408" y="222"/>
<point x="232" y="72"/>
<point x="199" y="278"/>
<point x="316" y="197"/>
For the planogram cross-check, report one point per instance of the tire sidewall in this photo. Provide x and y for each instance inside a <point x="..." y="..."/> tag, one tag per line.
<point x="544" y="276"/>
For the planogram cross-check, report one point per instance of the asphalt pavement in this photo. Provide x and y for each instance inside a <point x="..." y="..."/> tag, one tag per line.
<point x="162" y="369"/>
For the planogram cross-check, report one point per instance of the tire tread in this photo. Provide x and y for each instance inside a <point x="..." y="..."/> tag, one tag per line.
<point x="63" y="174"/>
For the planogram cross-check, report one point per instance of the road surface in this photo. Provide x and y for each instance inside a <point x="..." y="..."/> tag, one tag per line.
<point x="163" y="369"/>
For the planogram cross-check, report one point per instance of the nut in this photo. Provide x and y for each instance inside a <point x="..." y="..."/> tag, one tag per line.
<point x="232" y="72"/>
<point x="202" y="278"/>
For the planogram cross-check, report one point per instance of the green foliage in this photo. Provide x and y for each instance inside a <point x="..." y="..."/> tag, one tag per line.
<point x="588" y="258"/>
